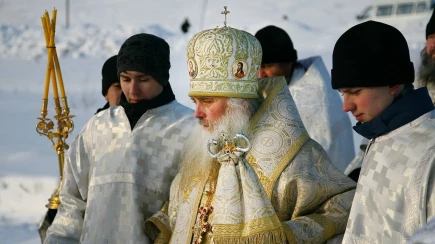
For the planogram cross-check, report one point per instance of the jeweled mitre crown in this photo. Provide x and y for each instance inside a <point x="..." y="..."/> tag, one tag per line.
<point x="223" y="62"/>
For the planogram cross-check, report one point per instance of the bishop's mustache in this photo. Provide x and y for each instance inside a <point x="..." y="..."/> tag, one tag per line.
<point x="204" y="122"/>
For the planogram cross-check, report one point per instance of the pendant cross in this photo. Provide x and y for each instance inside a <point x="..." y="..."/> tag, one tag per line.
<point x="225" y="12"/>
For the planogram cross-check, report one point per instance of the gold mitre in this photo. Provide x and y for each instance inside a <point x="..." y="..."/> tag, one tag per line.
<point x="223" y="62"/>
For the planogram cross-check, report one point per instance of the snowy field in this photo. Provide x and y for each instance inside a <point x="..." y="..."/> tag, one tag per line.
<point x="28" y="165"/>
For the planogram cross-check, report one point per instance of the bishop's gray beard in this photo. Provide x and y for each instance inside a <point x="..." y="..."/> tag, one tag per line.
<point x="426" y="72"/>
<point x="196" y="161"/>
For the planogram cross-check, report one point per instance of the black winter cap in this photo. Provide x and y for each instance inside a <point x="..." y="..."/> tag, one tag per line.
<point x="145" y="53"/>
<point x="276" y="44"/>
<point x="430" y="27"/>
<point x="109" y="74"/>
<point x="371" y="54"/>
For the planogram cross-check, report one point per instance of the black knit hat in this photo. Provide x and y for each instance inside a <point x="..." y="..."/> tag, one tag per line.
<point x="109" y="74"/>
<point x="430" y="27"/>
<point x="371" y="54"/>
<point x="276" y="44"/>
<point x="145" y="53"/>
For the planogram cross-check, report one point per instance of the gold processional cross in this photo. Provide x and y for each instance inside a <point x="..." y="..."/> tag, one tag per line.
<point x="225" y="12"/>
<point x="46" y="126"/>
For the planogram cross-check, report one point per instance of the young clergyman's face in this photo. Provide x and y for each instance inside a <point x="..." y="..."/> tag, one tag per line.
<point x="367" y="103"/>
<point x="209" y="110"/>
<point x="274" y="70"/>
<point x="113" y="94"/>
<point x="139" y="86"/>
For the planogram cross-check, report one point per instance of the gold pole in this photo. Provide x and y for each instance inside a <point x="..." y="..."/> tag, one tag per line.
<point x="56" y="60"/>
<point x="47" y="78"/>
<point x="52" y="53"/>
<point x="65" y="125"/>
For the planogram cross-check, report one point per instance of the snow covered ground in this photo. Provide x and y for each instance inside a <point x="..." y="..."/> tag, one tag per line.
<point x="28" y="165"/>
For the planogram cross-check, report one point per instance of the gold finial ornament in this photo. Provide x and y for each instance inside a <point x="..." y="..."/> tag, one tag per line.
<point x="65" y="125"/>
<point x="224" y="62"/>
<point x="225" y="12"/>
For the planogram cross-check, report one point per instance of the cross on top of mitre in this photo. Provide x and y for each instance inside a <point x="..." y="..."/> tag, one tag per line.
<point x="225" y="12"/>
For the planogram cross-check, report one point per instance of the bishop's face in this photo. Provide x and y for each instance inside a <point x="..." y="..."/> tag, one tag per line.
<point x="209" y="110"/>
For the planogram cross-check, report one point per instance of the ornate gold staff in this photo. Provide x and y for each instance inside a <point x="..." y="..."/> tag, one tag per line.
<point x="65" y="125"/>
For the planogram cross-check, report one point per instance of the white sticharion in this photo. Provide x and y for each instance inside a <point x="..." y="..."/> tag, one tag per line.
<point x="115" y="177"/>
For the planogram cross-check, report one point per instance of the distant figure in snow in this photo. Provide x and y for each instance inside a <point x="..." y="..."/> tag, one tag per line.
<point x="185" y="26"/>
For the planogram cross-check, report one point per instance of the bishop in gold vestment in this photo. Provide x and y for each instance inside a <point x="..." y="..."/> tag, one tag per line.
<point x="261" y="179"/>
